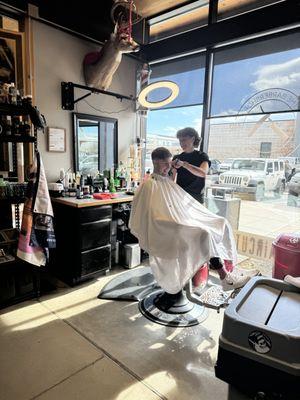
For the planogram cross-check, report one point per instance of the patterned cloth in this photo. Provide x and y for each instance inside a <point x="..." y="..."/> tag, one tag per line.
<point x="37" y="232"/>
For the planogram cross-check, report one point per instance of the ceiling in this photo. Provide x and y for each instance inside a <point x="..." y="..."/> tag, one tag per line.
<point x="161" y="18"/>
<point x="93" y="20"/>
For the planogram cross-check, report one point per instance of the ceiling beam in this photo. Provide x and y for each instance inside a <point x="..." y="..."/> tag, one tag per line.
<point x="284" y="14"/>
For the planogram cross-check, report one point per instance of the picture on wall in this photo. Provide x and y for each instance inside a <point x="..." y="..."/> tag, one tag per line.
<point x="11" y="68"/>
<point x="57" y="140"/>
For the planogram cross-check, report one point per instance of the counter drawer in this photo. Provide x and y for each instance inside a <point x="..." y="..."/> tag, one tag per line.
<point x="95" y="260"/>
<point x="91" y="214"/>
<point x="95" y="234"/>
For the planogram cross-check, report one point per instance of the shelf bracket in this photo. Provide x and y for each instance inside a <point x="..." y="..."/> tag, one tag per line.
<point x="67" y="94"/>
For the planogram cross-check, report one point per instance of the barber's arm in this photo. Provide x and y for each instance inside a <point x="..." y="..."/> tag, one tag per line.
<point x="197" y="171"/>
<point x="173" y="173"/>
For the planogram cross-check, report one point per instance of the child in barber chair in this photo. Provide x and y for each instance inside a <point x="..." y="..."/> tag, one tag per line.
<point x="178" y="232"/>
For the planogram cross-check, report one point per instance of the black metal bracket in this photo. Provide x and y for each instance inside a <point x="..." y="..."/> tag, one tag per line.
<point x="67" y="94"/>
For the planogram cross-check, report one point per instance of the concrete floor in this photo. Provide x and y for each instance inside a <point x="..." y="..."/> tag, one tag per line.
<point x="70" y="345"/>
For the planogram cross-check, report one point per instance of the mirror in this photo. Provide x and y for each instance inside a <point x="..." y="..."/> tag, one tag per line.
<point x="95" y="143"/>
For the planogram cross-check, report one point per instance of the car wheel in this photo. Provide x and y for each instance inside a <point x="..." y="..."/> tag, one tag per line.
<point x="260" y="192"/>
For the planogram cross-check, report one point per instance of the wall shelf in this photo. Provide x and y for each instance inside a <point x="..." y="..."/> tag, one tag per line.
<point x="17" y="139"/>
<point x="12" y="109"/>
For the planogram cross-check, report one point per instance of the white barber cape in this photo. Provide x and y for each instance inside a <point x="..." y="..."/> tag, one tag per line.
<point x="178" y="232"/>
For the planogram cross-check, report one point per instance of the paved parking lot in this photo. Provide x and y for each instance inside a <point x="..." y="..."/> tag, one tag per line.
<point x="269" y="217"/>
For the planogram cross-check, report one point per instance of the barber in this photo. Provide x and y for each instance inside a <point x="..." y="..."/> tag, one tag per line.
<point x="191" y="166"/>
<point x="189" y="171"/>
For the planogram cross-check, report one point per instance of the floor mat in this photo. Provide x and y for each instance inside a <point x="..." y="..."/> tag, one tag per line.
<point x="134" y="285"/>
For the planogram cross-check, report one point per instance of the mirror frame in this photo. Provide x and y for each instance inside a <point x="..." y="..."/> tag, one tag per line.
<point x="97" y="118"/>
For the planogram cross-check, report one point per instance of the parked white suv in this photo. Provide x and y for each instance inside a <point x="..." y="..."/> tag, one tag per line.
<point x="226" y="164"/>
<point x="255" y="176"/>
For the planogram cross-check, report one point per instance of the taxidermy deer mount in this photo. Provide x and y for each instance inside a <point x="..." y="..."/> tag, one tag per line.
<point x="99" y="67"/>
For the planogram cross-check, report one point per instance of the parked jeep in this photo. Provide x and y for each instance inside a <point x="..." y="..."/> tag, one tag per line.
<point x="255" y="176"/>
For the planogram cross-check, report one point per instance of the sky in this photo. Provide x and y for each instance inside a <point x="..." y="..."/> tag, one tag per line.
<point x="233" y="84"/>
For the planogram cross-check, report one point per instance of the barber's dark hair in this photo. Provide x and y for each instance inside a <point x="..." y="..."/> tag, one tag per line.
<point x="160" y="153"/>
<point x="190" y="132"/>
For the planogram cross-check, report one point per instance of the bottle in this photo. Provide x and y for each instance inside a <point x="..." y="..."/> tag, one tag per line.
<point x="77" y="178"/>
<point x="16" y="127"/>
<point x="26" y="129"/>
<point x="81" y="180"/>
<point x="8" y="130"/>
<point x="112" y="187"/>
<point x="105" y="184"/>
<point x="66" y="181"/>
<point x="117" y="178"/>
<point x="79" y="192"/>
<point x="19" y="98"/>
<point x="12" y="93"/>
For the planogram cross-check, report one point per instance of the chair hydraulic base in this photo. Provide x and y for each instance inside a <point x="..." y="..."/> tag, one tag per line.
<point x="172" y="310"/>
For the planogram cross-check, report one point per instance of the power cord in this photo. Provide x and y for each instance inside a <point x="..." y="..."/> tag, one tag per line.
<point x="107" y="112"/>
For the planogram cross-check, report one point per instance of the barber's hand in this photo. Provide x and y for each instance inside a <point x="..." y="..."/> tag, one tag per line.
<point x="177" y="163"/>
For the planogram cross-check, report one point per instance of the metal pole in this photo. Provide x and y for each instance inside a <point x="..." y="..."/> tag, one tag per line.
<point x="212" y="18"/>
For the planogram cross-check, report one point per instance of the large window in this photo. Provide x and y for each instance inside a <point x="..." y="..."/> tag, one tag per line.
<point x="231" y="8"/>
<point x="188" y="73"/>
<point x="162" y="126"/>
<point x="260" y="77"/>
<point x="185" y="110"/>
<point x="180" y="20"/>
<point x="253" y="136"/>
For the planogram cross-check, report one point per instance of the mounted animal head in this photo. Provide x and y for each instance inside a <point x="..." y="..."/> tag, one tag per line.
<point x="123" y="40"/>
<point x="99" y="67"/>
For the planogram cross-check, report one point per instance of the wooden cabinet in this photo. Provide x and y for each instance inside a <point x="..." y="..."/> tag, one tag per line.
<point x="83" y="242"/>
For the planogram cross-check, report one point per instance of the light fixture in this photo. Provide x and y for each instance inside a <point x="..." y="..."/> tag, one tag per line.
<point x="157" y="85"/>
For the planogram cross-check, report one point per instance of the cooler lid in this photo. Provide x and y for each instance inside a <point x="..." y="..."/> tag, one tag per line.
<point x="288" y="241"/>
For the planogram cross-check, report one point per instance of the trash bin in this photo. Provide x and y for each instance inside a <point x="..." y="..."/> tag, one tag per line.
<point x="286" y="255"/>
<point x="259" y="347"/>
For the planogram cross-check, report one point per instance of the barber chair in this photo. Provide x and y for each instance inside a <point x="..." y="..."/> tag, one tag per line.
<point x="188" y="307"/>
<point x="182" y="309"/>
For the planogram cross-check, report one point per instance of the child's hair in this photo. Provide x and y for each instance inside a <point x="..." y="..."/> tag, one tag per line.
<point x="190" y="132"/>
<point x="160" y="153"/>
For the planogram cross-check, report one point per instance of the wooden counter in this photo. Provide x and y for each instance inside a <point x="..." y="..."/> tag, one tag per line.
<point x="86" y="236"/>
<point x="79" y="203"/>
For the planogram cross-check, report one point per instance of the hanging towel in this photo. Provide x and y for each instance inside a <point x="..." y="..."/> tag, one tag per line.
<point x="37" y="233"/>
<point x="177" y="231"/>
